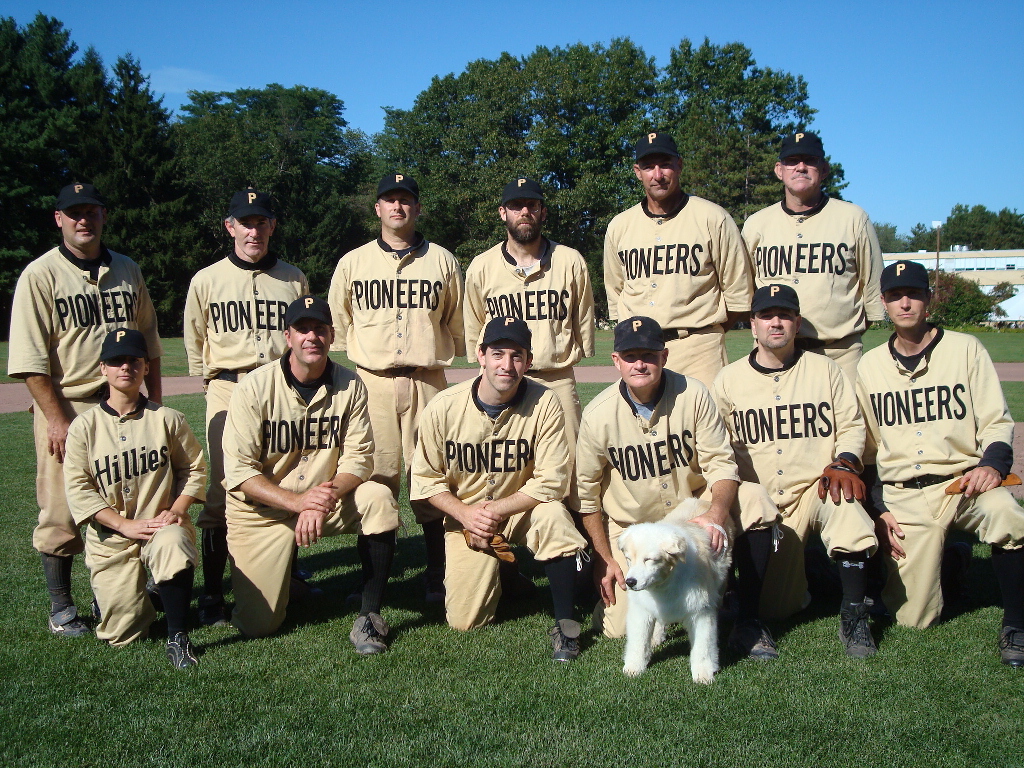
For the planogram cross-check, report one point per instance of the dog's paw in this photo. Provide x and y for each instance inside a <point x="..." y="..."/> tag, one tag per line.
<point x="633" y="670"/>
<point x="704" y="674"/>
<point x="658" y="635"/>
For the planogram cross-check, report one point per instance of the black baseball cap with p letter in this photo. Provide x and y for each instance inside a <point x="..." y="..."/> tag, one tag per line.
<point x="308" y="307"/>
<point x="639" y="332"/>
<point x="522" y="188"/>
<point x="655" y="143"/>
<point x="79" y="194"/>
<point x="393" y="181"/>
<point x="249" y="202"/>
<point x="508" y="328"/>
<point x="124" y="342"/>
<point x="775" y="295"/>
<point x="904" y="274"/>
<point x="802" y="143"/>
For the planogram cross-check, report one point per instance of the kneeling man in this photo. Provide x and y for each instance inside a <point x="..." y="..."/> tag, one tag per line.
<point x="493" y="457"/>
<point x="793" y="416"/>
<point x="936" y="414"/>
<point x="297" y="452"/>
<point x="649" y="442"/>
<point x="132" y="469"/>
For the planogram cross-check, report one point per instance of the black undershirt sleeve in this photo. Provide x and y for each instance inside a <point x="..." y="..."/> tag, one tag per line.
<point x="999" y="456"/>
<point x="873" y="505"/>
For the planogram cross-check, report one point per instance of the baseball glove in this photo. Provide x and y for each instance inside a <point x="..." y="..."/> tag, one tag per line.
<point x="842" y="480"/>
<point x="498" y="547"/>
<point x="954" y="487"/>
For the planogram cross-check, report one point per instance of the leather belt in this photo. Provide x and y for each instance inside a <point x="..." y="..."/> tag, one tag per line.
<point x="405" y="370"/>
<point x="672" y="334"/>
<point x="231" y="376"/>
<point x="923" y="481"/>
<point x="805" y="343"/>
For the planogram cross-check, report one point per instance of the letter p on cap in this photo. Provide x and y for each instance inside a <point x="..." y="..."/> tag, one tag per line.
<point x="636" y="325"/>
<point x="78" y="188"/>
<point x="120" y="335"/>
<point x="651" y="137"/>
<point x="798" y="137"/>
<point x="308" y="302"/>
<point x="398" y="177"/>
<point x="520" y="182"/>
<point x="900" y="268"/>
<point x="509" y="320"/>
<point x="773" y="290"/>
<point x="251" y="196"/>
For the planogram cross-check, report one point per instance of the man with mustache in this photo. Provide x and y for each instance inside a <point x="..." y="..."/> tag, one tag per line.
<point x="234" y="323"/>
<point x="824" y="248"/>
<point x="65" y="303"/>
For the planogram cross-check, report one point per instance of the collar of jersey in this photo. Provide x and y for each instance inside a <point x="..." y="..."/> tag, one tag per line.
<point x="545" y="257"/>
<point x="752" y="358"/>
<point x="810" y="211"/>
<point x="624" y="391"/>
<point x="682" y="204"/>
<point x="924" y="354"/>
<point x="326" y="378"/>
<point x="140" y="406"/>
<point x="265" y="264"/>
<point x="419" y="243"/>
<point x="86" y="265"/>
<point x="511" y="405"/>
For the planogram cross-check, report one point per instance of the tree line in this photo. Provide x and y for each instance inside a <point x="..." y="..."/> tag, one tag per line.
<point x="567" y="116"/>
<point x="973" y="228"/>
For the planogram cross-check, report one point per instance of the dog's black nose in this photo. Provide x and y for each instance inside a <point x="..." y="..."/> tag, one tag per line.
<point x="631" y="583"/>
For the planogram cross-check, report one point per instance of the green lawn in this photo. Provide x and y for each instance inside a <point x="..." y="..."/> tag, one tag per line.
<point x="937" y="697"/>
<point x="1005" y="347"/>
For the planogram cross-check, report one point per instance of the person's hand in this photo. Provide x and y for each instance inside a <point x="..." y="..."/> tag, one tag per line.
<point x="979" y="480"/>
<point x="140" y="530"/>
<point x="890" y="535"/>
<point x="481" y="521"/>
<point x="57" y="436"/>
<point x="606" y="576"/>
<point x="713" y="524"/>
<point x="309" y="527"/>
<point x="320" y="498"/>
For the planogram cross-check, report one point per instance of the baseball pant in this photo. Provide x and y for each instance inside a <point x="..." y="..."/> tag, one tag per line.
<point x="117" y="571"/>
<point x="563" y="383"/>
<point x="56" y="532"/>
<point x="394" y="404"/>
<point x="845" y="352"/>
<point x="471" y="583"/>
<point x="262" y="546"/>
<point x="845" y="528"/>
<point x="700" y="354"/>
<point x="218" y="397"/>
<point x="752" y="509"/>
<point x="913" y="592"/>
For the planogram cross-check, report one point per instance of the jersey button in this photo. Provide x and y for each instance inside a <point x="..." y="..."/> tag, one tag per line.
<point x="780" y="472"/>
<point x="654" y="433"/>
<point x="399" y="317"/>
<point x="123" y="438"/>
<point x="917" y="466"/>
<point x="668" y="503"/>
<point x="399" y="334"/>
<point x="779" y="451"/>
<point x="302" y="477"/>
<point x="654" y="285"/>
<point x="778" y="397"/>
<point x="490" y="498"/>
<point x="918" y="434"/>
<point x="397" y="353"/>
<point x="919" y="453"/>
<point x="776" y="378"/>
<point x="490" y="481"/>
<point x="261" y="354"/>
<point x="651" y="304"/>
<point x="255" y="292"/>
<point x="797" y="280"/>
<point x="781" y="492"/>
<point x="257" y="338"/>
<point x="306" y="458"/>
<point x="800" y="234"/>
<point x="664" y="485"/>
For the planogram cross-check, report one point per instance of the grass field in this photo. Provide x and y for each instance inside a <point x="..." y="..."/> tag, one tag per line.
<point x="937" y="697"/>
<point x="1004" y="347"/>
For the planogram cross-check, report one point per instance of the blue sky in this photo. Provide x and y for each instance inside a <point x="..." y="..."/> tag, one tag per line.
<point x="922" y="102"/>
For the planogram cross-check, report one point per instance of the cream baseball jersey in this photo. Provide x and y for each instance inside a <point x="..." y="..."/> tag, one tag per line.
<point x="465" y="452"/>
<point x="61" y="314"/>
<point x="636" y="470"/>
<point x="393" y="312"/>
<point x="272" y="431"/>
<point x="937" y="419"/>
<point x="555" y="300"/>
<point x="829" y="255"/>
<point x="234" y="314"/>
<point x="786" y="425"/>
<point x="685" y="271"/>
<point x="136" y="464"/>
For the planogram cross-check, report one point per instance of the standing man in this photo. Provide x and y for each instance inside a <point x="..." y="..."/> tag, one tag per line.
<point x="543" y="283"/>
<point x="825" y="249"/>
<point x="492" y="458"/>
<point x="234" y="322"/>
<point x="937" y="417"/>
<point x="132" y="470"/>
<point x="796" y="429"/>
<point x="680" y="260"/>
<point x="645" y="444"/>
<point x="65" y="303"/>
<point x="297" y="454"/>
<point x="397" y="305"/>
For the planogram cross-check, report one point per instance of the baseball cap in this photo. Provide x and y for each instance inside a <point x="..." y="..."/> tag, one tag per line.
<point x="124" y="341"/>
<point x="394" y="181"/>
<point x="249" y="202"/>
<point x="79" y="194"/>
<point x="656" y="144"/>
<point x="522" y="189"/>
<point x="775" y="295"/>
<point x="638" y="332"/>
<point x="308" y="307"/>
<point x="801" y="144"/>
<point x="507" y="328"/>
<point x="905" y="274"/>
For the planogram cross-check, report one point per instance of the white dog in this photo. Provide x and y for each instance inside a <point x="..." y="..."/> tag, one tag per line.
<point x="674" y="577"/>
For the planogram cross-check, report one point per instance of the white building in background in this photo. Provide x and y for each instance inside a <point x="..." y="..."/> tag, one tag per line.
<point x="987" y="268"/>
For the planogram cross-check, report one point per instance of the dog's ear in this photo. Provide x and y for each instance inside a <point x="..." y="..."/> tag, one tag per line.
<point x="677" y="548"/>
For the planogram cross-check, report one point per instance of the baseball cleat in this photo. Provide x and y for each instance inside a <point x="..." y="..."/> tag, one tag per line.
<point x="368" y="633"/>
<point x="213" y="611"/>
<point x="855" y="631"/>
<point x="180" y="652"/>
<point x="1011" y="646"/>
<point x="750" y="637"/>
<point x="68" y="623"/>
<point x="565" y="641"/>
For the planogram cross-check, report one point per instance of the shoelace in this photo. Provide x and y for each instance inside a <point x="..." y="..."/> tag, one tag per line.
<point x="1013" y="639"/>
<point x="369" y="630"/>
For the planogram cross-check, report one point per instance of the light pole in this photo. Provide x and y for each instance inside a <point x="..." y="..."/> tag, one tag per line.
<point x="937" y="226"/>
